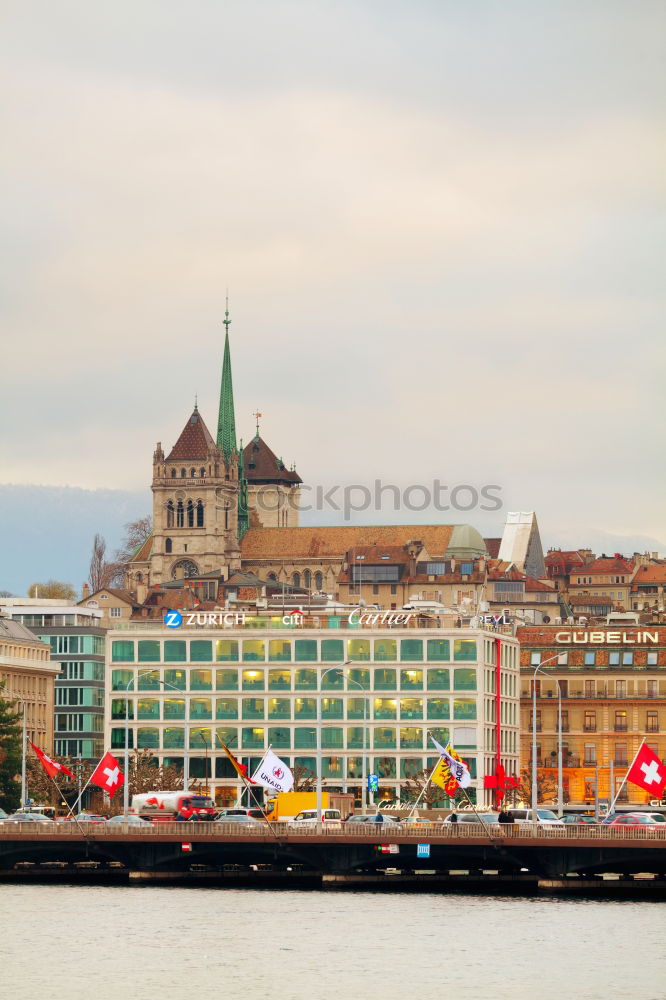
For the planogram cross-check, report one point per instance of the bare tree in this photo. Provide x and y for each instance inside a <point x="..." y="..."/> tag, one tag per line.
<point x="102" y="573"/>
<point x="136" y="532"/>
<point x="54" y="589"/>
<point x="304" y="779"/>
<point x="419" y="784"/>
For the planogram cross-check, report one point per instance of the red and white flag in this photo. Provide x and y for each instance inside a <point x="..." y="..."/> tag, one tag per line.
<point x="648" y="772"/>
<point x="52" y="767"/>
<point x="107" y="775"/>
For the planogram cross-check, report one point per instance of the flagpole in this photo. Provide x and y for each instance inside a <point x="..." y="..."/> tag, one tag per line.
<point x="248" y="785"/>
<point x="624" y="780"/>
<point x="424" y="789"/>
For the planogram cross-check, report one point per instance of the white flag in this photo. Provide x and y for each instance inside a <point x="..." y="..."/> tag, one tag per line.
<point x="273" y="773"/>
<point x="458" y="768"/>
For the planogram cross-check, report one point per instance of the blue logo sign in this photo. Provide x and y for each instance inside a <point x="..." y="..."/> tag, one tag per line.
<point x="173" y="619"/>
<point x="423" y="850"/>
<point x="373" y="783"/>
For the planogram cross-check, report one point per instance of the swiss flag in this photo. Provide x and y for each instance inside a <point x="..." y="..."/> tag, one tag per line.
<point x="107" y="775"/>
<point x="52" y="767"/>
<point x="648" y="772"/>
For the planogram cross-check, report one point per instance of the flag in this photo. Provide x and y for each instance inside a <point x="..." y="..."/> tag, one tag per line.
<point x="648" y="772"/>
<point x="240" y="769"/>
<point x="273" y="773"/>
<point x="107" y="775"/>
<point x="52" y="767"/>
<point x="451" y="772"/>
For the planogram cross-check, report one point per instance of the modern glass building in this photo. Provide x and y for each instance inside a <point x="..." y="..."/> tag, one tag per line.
<point x="78" y="645"/>
<point x="379" y="691"/>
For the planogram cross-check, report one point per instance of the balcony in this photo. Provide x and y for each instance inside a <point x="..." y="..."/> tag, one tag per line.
<point x="620" y="727"/>
<point x="590" y="727"/>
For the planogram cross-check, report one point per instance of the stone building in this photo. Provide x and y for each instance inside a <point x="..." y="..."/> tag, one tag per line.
<point x="28" y="674"/>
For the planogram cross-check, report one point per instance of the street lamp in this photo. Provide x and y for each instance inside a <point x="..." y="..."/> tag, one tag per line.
<point x="205" y="743"/>
<point x="336" y="666"/>
<point x="186" y="759"/>
<point x="539" y="668"/>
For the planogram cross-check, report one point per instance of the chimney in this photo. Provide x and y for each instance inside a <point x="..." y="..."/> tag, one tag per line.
<point x="85" y="592"/>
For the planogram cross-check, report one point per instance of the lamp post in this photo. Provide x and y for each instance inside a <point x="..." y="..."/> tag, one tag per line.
<point x="364" y="769"/>
<point x="336" y="666"/>
<point x="539" y="668"/>
<point x="205" y="743"/>
<point x="186" y="768"/>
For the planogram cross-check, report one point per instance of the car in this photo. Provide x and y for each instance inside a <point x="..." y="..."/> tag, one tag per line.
<point x="86" y="818"/>
<point x="129" y="820"/>
<point x="253" y="811"/>
<point x="633" y="819"/>
<point x="657" y="817"/>
<point x="416" y="821"/>
<point x="240" y="820"/>
<point x="27" y="817"/>
<point x="379" y="818"/>
<point x="545" y="817"/>
<point x="471" y="817"/>
<point x="579" y="819"/>
<point x="332" y="817"/>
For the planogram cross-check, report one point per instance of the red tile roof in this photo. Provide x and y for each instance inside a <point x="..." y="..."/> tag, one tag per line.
<point x="493" y="546"/>
<point x="653" y="573"/>
<point x="603" y="566"/>
<point x="334" y="542"/>
<point x="143" y="551"/>
<point x="263" y="466"/>
<point x="194" y="443"/>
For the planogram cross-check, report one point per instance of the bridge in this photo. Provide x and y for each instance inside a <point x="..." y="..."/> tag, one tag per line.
<point x="353" y="854"/>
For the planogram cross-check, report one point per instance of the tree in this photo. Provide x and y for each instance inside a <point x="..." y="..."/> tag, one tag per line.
<point x="102" y="573"/>
<point x="136" y="532"/>
<point x="546" y="787"/>
<point x="6" y="593"/>
<point x="11" y="735"/>
<point x="433" y="796"/>
<point x="305" y="780"/>
<point x="53" y="589"/>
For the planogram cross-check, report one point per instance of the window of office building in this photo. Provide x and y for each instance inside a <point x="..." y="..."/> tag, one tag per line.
<point x="279" y="708"/>
<point x="305" y="708"/>
<point x="278" y="649"/>
<point x="384" y="738"/>
<point x="464" y="649"/>
<point x="174" y="708"/>
<point x="411" y="737"/>
<point x="358" y="708"/>
<point x="332" y="708"/>
<point x="332" y="651"/>
<point x="175" y="651"/>
<point x="201" y="680"/>
<point x="254" y="649"/>
<point x="173" y="738"/>
<point x="226" y="680"/>
<point x="122" y="651"/>
<point x="306" y="650"/>
<point x="201" y="651"/>
<point x="386" y="649"/>
<point x="464" y="679"/>
<point x="438" y="708"/>
<point x="439" y="649"/>
<point x="148" y="708"/>
<point x="305" y="737"/>
<point x="175" y="679"/>
<point x="411" y="650"/>
<point x="253" y="708"/>
<point x="438" y="679"/>
<point x="279" y="737"/>
<point x="358" y="649"/>
<point x="384" y="708"/>
<point x="332" y="738"/>
<point x="385" y="679"/>
<point x="411" y="679"/>
<point x="201" y="708"/>
<point x="279" y="680"/>
<point x="147" y="739"/>
<point x="253" y="680"/>
<point x="149" y="651"/>
<point x="411" y="708"/>
<point x="253" y="739"/>
<point x="226" y="650"/>
<point x="149" y="680"/>
<point x="464" y="708"/>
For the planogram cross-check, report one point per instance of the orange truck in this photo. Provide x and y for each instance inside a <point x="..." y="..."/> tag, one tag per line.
<point x="285" y="805"/>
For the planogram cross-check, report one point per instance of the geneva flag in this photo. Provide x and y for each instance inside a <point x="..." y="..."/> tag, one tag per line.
<point x="648" y="772"/>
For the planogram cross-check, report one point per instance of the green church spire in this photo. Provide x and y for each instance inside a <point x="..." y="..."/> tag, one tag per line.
<point x="226" y="421"/>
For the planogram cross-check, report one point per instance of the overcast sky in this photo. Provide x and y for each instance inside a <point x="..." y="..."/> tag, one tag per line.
<point x="441" y="225"/>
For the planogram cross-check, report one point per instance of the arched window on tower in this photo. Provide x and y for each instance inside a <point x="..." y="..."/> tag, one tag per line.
<point x="182" y="473"/>
<point x="202" y="473"/>
<point x="319" y="581"/>
<point x="200" y="514"/>
<point x="226" y="518"/>
<point x="193" y="473"/>
<point x="272" y="576"/>
<point x="307" y="578"/>
<point x="180" y="515"/>
<point x="296" y="579"/>
<point x="173" y="473"/>
<point x="190" y="514"/>
<point x="168" y="546"/>
<point x="169" y="513"/>
<point x="139" y="577"/>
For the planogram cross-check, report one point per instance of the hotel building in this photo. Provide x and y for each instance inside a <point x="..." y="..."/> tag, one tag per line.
<point x="612" y="683"/>
<point x="264" y="682"/>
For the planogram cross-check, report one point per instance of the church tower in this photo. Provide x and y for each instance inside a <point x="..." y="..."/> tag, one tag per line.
<point x="196" y="490"/>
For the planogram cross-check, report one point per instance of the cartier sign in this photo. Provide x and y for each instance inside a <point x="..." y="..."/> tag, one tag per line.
<point x="607" y="638"/>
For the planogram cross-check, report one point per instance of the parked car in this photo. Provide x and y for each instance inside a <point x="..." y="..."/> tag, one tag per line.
<point x="379" y="818"/>
<point x="308" y="817"/>
<point x="240" y="820"/>
<point x="579" y="819"/>
<point x="84" y="817"/>
<point x="131" y="820"/>
<point x="416" y="821"/>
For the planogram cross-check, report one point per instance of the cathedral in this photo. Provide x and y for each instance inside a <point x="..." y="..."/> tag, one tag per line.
<point x="207" y="492"/>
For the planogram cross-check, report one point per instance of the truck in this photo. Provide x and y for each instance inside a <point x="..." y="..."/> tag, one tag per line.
<point x="286" y="805"/>
<point x="165" y="807"/>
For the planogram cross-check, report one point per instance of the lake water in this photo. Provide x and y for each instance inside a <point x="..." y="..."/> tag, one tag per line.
<point x="98" y="943"/>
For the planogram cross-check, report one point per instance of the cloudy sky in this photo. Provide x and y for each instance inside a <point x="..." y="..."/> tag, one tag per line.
<point x="441" y="225"/>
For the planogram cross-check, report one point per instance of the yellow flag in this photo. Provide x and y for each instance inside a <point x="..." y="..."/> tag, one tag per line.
<point x="441" y="775"/>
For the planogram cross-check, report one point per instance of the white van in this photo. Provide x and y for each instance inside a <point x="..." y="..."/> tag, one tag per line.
<point x="544" y="816"/>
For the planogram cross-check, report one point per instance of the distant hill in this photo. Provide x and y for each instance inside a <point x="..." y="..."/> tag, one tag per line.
<point x="47" y="531"/>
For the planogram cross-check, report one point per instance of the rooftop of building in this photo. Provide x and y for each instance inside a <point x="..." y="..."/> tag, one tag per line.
<point x="10" y="629"/>
<point x="263" y="466"/>
<point x="335" y="541"/>
<point x="195" y="441"/>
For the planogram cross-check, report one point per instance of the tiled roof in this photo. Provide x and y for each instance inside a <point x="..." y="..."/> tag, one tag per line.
<point x="10" y="629"/>
<point x="121" y="595"/>
<point x="194" y="442"/>
<point x="531" y="585"/>
<point x="602" y="566"/>
<point x="493" y="546"/>
<point x="143" y="551"/>
<point x="378" y="554"/>
<point x="654" y="573"/>
<point x="334" y="542"/>
<point x="263" y="466"/>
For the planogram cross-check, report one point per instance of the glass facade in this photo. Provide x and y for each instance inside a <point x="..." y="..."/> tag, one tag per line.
<point x="280" y="691"/>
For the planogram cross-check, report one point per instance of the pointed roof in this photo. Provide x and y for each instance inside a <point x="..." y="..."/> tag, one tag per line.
<point x="194" y="443"/>
<point x="263" y="466"/>
<point x="226" y="419"/>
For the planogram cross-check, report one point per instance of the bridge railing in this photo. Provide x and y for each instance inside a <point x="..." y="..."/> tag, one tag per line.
<point x="382" y="832"/>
